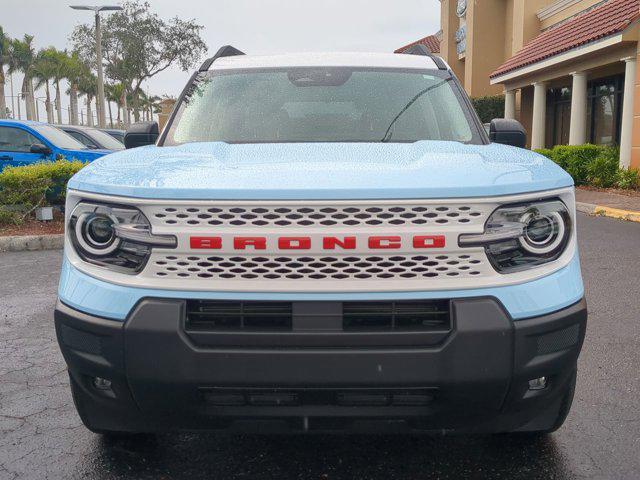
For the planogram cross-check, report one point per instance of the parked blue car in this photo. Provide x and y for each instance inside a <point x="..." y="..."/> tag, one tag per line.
<point x="24" y="142"/>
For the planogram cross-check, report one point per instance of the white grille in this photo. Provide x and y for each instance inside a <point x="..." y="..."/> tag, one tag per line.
<point x="318" y="267"/>
<point x="362" y="269"/>
<point x="314" y="215"/>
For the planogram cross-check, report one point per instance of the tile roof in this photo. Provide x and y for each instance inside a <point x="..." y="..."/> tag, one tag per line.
<point x="431" y="42"/>
<point x="608" y="19"/>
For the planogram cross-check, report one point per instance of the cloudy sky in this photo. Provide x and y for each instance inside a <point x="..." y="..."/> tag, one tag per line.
<point x="254" y="26"/>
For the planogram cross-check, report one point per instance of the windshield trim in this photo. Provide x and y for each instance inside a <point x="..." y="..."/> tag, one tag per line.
<point x="478" y="133"/>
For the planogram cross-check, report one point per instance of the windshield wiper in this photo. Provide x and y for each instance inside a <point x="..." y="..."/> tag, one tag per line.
<point x="388" y="134"/>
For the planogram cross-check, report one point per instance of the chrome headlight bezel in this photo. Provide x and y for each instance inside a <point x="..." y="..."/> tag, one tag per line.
<point x="128" y="246"/>
<point x="524" y="235"/>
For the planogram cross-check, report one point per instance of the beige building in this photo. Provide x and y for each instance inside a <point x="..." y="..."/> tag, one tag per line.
<point x="567" y="68"/>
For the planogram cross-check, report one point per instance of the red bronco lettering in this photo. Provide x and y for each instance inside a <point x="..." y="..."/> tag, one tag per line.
<point x="391" y="242"/>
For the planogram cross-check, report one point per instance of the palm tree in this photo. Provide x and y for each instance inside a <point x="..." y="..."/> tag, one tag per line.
<point x="149" y="104"/>
<point x="44" y="70"/>
<point x="74" y="70"/>
<point x="113" y="93"/>
<point x="5" y="43"/>
<point x="57" y="61"/>
<point x="88" y="86"/>
<point x="118" y="94"/>
<point x="23" y="58"/>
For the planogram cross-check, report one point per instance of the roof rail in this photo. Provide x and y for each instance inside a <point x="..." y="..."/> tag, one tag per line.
<point x="224" y="51"/>
<point x="419" y="49"/>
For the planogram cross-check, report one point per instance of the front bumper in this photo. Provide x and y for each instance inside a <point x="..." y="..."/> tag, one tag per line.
<point x="474" y="379"/>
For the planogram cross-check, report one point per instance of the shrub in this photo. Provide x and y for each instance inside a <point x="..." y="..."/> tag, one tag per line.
<point x="593" y="165"/>
<point x="602" y="171"/>
<point x="9" y="217"/>
<point x="575" y="160"/>
<point x="489" y="108"/>
<point x="547" y="152"/>
<point x="627" y="178"/>
<point x="36" y="185"/>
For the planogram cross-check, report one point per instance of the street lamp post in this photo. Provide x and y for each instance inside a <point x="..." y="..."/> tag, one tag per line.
<point x="100" y="99"/>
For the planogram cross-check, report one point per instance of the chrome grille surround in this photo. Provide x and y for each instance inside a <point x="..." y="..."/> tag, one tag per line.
<point x="178" y="261"/>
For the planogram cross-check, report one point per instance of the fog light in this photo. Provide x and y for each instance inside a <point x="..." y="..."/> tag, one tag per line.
<point x="538" y="383"/>
<point x="102" y="383"/>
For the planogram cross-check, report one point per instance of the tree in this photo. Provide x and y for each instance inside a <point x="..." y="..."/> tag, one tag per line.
<point x="5" y="43"/>
<point x="88" y="86"/>
<point x="56" y="62"/>
<point x="137" y="45"/>
<point x="149" y="105"/>
<point x="74" y="70"/>
<point x="116" y="93"/>
<point x="44" y="70"/>
<point x="23" y="59"/>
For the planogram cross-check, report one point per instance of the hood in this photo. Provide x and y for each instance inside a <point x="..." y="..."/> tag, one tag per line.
<point x="316" y="171"/>
<point x="84" y="155"/>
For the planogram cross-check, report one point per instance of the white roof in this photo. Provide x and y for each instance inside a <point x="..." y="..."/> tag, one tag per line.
<point x="314" y="59"/>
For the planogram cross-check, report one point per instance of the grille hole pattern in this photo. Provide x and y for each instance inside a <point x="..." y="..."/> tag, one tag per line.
<point x="352" y="267"/>
<point x="318" y="215"/>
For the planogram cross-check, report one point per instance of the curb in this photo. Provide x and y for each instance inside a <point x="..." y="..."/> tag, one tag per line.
<point x="31" y="242"/>
<point x="591" y="209"/>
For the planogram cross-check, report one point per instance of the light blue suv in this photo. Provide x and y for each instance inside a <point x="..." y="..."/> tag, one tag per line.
<point x="322" y="242"/>
<point x="24" y="142"/>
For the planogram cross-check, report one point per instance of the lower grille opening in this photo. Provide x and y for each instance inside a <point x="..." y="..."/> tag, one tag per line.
<point x="225" y="315"/>
<point x="348" y="317"/>
<point x="222" y="397"/>
<point x="405" y="315"/>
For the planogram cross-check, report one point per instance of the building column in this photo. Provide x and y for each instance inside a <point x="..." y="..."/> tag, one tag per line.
<point x="539" y="121"/>
<point x="626" y="132"/>
<point x="510" y="104"/>
<point x="578" y="124"/>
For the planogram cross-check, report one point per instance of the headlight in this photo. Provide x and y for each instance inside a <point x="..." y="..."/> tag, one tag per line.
<point x="117" y="237"/>
<point x="522" y="236"/>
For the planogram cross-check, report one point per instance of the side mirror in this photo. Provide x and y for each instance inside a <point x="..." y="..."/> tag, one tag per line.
<point x="40" y="149"/>
<point x="507" y="132"/>
<point x="140" y="134"/>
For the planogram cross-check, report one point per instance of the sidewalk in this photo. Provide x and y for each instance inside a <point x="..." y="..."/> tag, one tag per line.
<point x="608" y="204"/>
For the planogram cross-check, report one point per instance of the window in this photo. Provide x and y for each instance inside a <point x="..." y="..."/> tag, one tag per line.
<point x="332" y="104"/>
<point x="558" y="116"/>
<point x="59" y="138"/>
<point x="604" y="110"/>
<point x="103" y="140"/>
<point x="16" y="140"/>
<point x="86" y="141"/>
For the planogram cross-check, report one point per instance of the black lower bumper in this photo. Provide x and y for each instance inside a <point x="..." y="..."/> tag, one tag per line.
<point x="473" y="379"/>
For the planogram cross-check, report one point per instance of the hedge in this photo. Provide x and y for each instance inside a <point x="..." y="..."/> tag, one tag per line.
<point x="489" y="108"/>
<point x="593" y="165"/>
<point x="31" y="186"/>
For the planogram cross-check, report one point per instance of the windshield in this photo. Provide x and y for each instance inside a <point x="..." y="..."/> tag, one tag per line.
<point x="59" y="138"/>
<point x="322" y="105"/>
<point x="104" y="139"/>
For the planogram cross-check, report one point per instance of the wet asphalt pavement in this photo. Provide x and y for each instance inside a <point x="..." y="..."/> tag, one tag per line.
<point x="42" y="437"/>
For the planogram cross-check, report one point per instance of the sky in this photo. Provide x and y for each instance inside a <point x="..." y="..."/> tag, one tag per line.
<point x="253" y="26"/>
